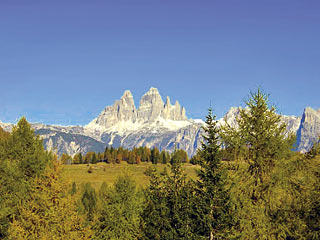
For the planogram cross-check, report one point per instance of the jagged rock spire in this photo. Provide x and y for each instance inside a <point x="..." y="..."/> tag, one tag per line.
<point x="151" y="105"/>
<point x="122" y="110"/>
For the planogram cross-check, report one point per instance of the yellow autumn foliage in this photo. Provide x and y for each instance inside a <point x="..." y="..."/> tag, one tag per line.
<point x="50" y="213"/>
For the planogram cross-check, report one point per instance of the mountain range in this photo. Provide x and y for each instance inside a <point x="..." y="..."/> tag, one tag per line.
<point x="153" y="124"/>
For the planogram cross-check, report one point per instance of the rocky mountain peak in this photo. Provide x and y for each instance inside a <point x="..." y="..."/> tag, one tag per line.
<point x="123" y="115"/>
<point x="311" y="115"/>
<point x="151" y="105"/>
<point x="152" y="97"/>
<point x="231" y="116"/>
<point x="127" y="95"/>
<point x="122" y="110"/>
<point x="168" y="104"/>
<point x="309" y="130"/>
<point x="127" y="102"/>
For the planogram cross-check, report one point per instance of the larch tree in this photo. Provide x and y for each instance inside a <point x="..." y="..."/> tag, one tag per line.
<point x="261" y="142"/>
<point x="50" y="212"/>
<point x="22" y="159"/>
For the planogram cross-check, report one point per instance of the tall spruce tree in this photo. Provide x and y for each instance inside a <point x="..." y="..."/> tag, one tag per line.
<point x="168" y="211"/>
<point x="212" y="207"/>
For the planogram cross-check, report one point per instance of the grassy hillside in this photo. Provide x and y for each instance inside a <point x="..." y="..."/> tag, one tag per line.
<point x="109" y="172"/>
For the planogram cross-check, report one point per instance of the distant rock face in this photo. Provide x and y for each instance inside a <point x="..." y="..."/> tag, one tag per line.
<point x="309" y="129"/>
<point x="231" y="116"/>
<point x="123" y="109"/>
<point x="62" y="142"/>
<point x="173" y="112"/>
<point x="154" y="124"/>
<point x="151" y="105"/>
<point x="151" y="108"/>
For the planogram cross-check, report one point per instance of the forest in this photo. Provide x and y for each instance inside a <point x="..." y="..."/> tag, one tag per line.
<point x="250" y="184"/>
<point x="134" y="156"/>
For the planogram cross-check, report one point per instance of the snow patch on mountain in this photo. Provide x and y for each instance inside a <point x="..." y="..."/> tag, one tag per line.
<point x="125" y="127"/>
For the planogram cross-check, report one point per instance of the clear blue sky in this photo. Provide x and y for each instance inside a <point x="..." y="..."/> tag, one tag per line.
<point x="63" y="61"/>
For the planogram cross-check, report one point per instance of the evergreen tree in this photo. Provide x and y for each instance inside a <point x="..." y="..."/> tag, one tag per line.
<point x="181" y="155"/>
<point x="131" y="159"/>
<point x="147" y="154"/>
<point x="94" y="159"/>
<point x="120" y="214"/>
<point x="168" y="214"/>
<point x="155" y="155"/>
<point x="163" y="157"/>
<point x="212" y="210"/>
<point x="89" y="200"/>
<point x="195" y="158"/>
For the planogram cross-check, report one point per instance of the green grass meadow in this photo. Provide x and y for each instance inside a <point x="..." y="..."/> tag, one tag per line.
<point x="108" y="173"/>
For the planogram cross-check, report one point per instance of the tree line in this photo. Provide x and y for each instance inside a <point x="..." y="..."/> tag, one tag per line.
<point x="249" y="185"/>
<point x="134" y="156"/>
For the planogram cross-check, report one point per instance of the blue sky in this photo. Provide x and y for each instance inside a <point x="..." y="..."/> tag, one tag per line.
<point x="62" y="62"/>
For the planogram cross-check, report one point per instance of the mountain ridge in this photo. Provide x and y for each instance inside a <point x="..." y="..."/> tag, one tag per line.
<point x="154" y="123"/>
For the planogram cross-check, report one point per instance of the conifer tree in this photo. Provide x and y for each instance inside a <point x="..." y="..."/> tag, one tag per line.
<point x="94" y="159"/>
<point x="27" y="149"/>
<point x="120" y="214"/>
<point x="212" y="209"/>
<point x="155" y="155"/>
<point x="168" y="211"/>
<point x="89" y="200"/>
<point x="80" y="158"/>
<point x="164" y="158"/>
<point x="4" y="137"/>
<point x="262" y="144"/>
<point x="262" y="133"/>
<point x="50" y="212"/>
<point x="22" y="159"/>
